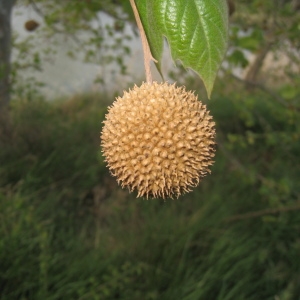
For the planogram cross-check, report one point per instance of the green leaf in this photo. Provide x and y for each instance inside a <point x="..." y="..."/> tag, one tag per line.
<point x="251" y="42"/>
<point x="196" y="30"/>
<point x="237" y="58"/>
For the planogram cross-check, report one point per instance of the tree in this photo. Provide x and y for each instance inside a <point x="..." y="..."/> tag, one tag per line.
<point x="265" y="29"/>
<point x="5" y="50"/>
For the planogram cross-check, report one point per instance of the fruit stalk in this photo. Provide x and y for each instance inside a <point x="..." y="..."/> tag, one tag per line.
<point x="146" y="49"/>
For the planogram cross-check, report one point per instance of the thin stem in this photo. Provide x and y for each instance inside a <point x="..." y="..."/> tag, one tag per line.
<point x="261" y="213"/>
<point x="146" y="49"/>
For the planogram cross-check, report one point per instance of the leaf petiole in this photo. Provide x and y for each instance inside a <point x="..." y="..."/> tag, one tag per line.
<point x="146" y="49"/>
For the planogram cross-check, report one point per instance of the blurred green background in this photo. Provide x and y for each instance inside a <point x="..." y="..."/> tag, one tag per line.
<point x="67" y="231"/>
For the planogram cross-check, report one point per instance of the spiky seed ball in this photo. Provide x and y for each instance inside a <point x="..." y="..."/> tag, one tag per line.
<point x="158" y="139"/>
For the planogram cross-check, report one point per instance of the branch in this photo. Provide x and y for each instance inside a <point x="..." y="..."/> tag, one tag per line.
<point x="258" y="62"/>
<point x="259" y="86"/>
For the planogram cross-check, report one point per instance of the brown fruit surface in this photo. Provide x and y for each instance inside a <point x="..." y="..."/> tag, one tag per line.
<point x="158" y="139"/>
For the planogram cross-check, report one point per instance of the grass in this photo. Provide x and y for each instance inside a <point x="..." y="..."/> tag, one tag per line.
<point x="69" y="232"/>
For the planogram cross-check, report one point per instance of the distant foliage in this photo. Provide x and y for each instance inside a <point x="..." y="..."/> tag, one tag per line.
<point x="81" y="24"/>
